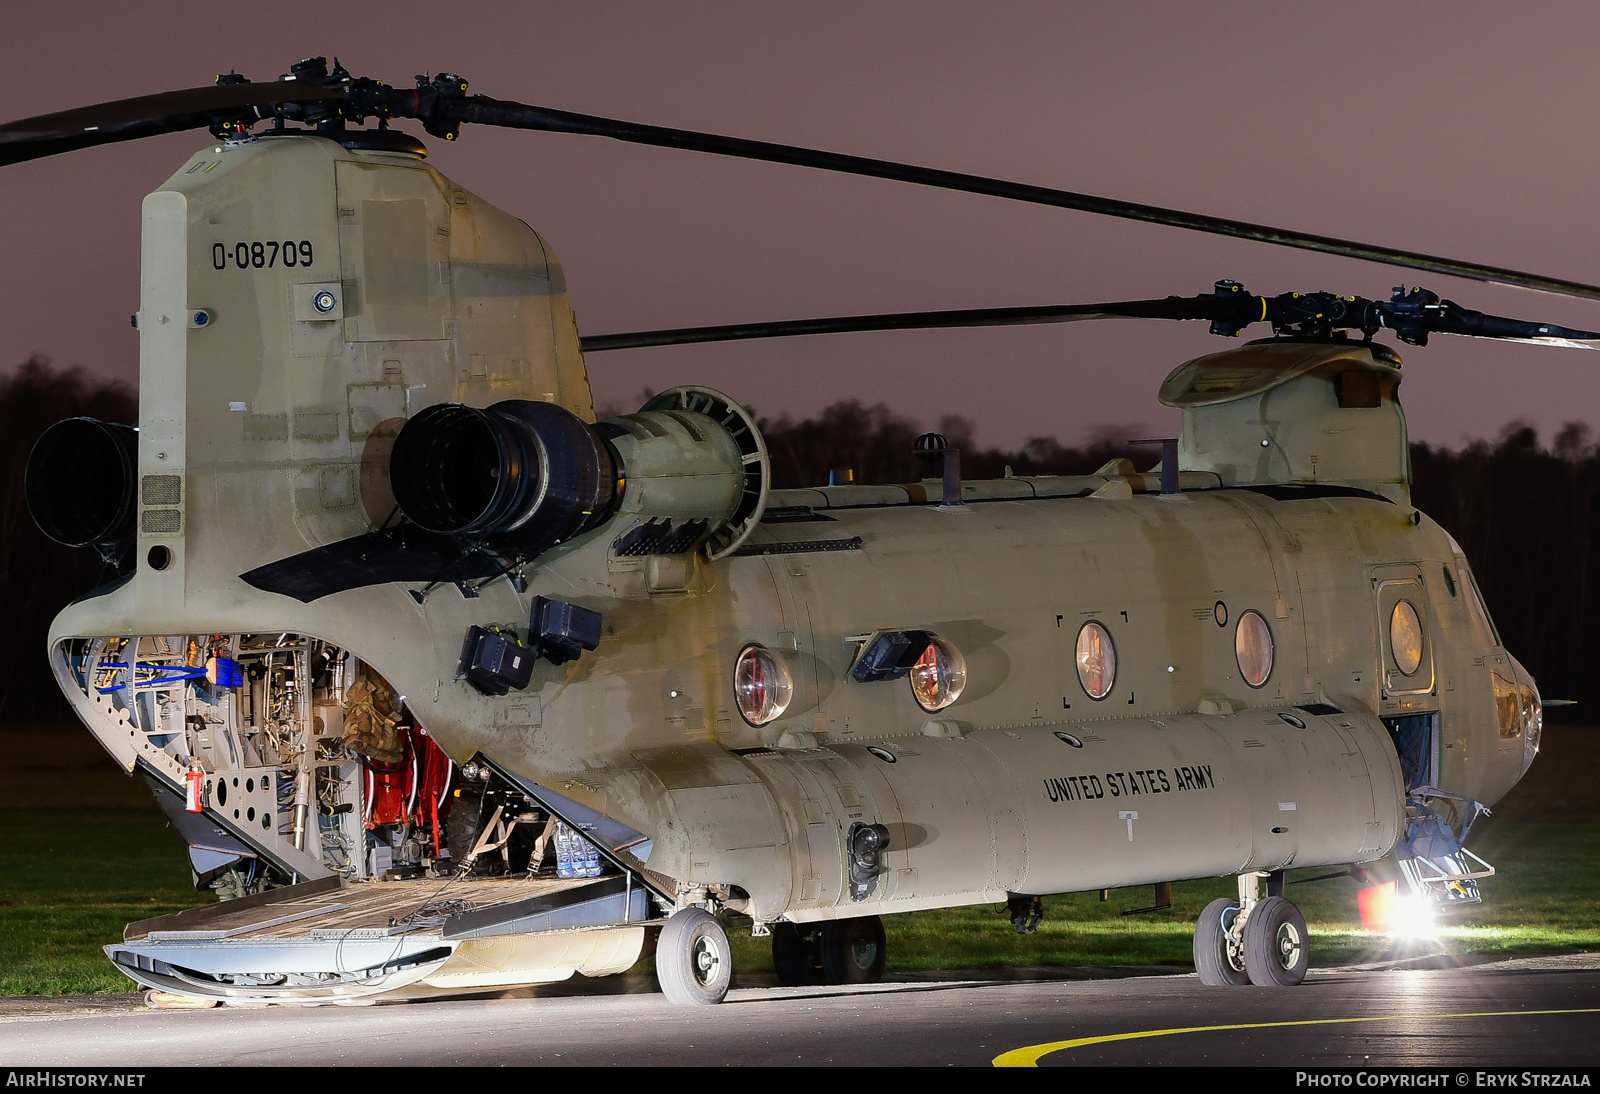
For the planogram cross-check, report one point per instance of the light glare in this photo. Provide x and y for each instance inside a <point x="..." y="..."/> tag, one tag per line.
<point x="1414" y="918"/>
<point x="1384" y="909"/>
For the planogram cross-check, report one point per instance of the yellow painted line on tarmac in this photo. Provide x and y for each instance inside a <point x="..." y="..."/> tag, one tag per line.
<point x="1029" y="1055"/>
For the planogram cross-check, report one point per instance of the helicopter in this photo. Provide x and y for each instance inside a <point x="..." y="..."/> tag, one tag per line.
<point x="451" y="687"/>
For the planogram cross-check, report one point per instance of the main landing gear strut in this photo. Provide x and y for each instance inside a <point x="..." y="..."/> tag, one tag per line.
<point x="1252" y="940"/>
<point x="839" y="951"/>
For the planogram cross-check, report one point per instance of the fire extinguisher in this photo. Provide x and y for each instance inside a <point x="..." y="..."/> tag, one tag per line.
<point x="194" y="781"/>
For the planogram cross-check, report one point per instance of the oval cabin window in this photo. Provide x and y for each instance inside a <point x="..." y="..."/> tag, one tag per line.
<point x="1097" y="661"/>
<point x="1252" y="648"/>
<point x="1405" y="637"/>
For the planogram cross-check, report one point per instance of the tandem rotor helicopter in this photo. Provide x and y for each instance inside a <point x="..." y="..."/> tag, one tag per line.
<point x="452" y="688"/>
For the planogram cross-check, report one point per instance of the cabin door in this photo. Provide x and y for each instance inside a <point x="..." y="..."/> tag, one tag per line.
<point x="1405" y="639"/>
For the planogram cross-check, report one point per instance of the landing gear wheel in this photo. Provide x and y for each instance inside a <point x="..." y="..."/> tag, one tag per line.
<point x="1218" y="957"/>
<point x="1276" y="944"/>
<point x="795" y="956"/>
<point x="694" y="962"/>
<point x="853" y="951"/>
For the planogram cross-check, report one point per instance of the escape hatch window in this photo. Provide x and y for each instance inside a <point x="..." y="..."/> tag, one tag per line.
<point x="1405" y="637"/>
<point x="1252" y="648"/>
<point x="1097" y="660"/>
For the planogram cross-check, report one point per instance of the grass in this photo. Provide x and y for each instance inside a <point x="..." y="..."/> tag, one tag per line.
<point x="84" y="850"/>
<point x="70" y="880"/>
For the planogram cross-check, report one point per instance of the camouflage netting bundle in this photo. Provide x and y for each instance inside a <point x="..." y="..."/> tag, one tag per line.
<point x="372" y="719"/>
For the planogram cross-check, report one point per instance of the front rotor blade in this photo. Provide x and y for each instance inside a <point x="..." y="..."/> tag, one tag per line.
<point x="1245" y="309"/>
<point x="1454" y="319"/>
<point x="486" y="111"/>
<point x="149" y="115"/>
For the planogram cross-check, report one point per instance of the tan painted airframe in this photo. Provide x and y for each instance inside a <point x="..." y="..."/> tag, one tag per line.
<point x="261" y="429"/>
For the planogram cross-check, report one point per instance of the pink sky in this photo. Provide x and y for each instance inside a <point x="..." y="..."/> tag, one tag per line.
<point x="1461" y="130"/>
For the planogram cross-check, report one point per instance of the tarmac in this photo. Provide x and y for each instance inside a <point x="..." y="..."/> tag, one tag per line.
<point x="1429" y="1012"/>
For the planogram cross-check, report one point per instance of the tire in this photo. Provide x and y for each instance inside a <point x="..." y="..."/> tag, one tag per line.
<point x="461" y="831"/>
<point x="1217" y="957"/>
<point x="694" y="963"/>
<point x="853" y="951"/>
<point x="1276" y="945"/>
<point x="795" y="955"/>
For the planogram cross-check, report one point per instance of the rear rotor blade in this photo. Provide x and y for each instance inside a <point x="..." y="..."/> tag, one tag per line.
<point x="1229" y="309"/>
<point x="443" y="106"/>
<point x="1174" y="307"/>
<point x="149" y="115"/>
<point x="486" y="111"/>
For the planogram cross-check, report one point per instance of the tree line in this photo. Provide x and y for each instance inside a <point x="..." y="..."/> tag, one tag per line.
<point x="1522" y="510"/>
<point x="38" y="577"/>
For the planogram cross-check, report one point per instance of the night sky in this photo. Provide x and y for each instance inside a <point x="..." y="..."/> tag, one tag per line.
<point x="1462" y="130"/>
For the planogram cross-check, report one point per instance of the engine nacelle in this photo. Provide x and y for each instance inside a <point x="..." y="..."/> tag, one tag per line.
<point x="527" y="476"/>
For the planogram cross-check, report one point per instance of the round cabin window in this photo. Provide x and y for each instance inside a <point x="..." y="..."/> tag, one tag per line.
<point x="1405" y="637"/>
<point x="939" y="675"/>
<point x="1252" y="648"/>
<point x="1097" y="661"/>
<point x="762" y="686"/>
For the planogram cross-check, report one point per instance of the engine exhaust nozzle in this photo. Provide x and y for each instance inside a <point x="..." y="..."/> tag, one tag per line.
<point x="81" y="482"/>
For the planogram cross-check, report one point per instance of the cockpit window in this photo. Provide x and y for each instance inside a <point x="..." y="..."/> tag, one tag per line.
<point x="1479" y="611"/>
<point x="1532" y="714"/>
<point x="1507" y="706"/>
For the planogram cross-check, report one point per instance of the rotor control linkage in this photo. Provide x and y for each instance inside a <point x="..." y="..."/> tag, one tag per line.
<point x="1412" y="314"/>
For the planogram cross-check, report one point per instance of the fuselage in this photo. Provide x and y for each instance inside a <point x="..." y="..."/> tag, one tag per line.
<point x="261" y="431"/>
<point x="986" y="796"/>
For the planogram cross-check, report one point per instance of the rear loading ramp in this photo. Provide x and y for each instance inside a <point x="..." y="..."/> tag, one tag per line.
<point x="328" y="941"/>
